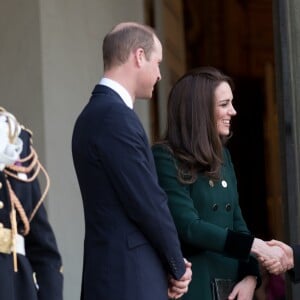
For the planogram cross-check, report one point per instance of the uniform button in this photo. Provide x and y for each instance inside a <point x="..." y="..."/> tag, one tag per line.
<point x="228" y="206"/>
<point x="1" y="204"/>
<point x="215" y="207"/>
<point x="1" y="185"/>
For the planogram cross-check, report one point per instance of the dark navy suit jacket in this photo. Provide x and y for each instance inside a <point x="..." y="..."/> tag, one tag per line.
<point x="131" y="243"/>
<point x="295" y="272"/>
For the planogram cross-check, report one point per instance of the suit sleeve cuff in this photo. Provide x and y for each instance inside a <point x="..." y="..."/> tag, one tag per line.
<point x="238" y="245"/>
<point x="295" y="272"/>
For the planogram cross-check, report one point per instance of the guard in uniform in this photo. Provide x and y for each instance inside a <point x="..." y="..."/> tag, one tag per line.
<point x="30" y="263"/>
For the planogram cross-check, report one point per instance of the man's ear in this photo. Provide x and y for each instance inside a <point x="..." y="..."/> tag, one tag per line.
<point x="139" y="56"/>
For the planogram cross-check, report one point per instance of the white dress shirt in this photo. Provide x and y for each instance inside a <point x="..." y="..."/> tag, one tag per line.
<point x="119" y="89"/>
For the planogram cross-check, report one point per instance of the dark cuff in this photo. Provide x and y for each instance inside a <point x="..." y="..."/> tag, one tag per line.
<point x="50" y="282"/>
<point x="238" y="245"/>
<point x="295" y="272"/>
<point x="250" y="268"/>
<point x="176" y="267"/>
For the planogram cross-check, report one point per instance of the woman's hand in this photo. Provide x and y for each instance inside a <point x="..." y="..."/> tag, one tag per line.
<point x="244" y="290"/>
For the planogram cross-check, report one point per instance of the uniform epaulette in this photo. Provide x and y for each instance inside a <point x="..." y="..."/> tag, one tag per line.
<point x="28" y="130"/>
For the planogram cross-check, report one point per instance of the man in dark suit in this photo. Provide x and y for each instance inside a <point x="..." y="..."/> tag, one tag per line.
<point x="131" y="248"/>
<point x="30" y="263"/>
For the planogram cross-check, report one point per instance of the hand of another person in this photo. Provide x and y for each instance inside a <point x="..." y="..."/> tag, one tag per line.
<point x="265" y="252"/>
<point x="244" y="290"/>
<point x="177" y="288"/>
<point x="272" y="265"/>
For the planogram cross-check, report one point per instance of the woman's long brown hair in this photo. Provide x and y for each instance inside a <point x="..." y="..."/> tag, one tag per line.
<point x="191" y="134"/>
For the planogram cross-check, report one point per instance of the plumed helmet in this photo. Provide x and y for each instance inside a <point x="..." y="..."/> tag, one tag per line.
<point x="10" y="143"/>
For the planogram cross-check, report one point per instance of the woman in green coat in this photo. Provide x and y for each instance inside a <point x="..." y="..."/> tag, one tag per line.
<point x="195" y="169"/>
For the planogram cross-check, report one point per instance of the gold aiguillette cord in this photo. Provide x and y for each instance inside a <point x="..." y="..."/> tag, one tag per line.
<point x="14" y="236"/>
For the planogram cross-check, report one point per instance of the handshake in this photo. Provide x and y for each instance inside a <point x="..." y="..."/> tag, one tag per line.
<point x="275" y="256"/>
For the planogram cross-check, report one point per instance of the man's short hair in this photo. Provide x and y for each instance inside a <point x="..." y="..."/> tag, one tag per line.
<point x="123" y="39"/>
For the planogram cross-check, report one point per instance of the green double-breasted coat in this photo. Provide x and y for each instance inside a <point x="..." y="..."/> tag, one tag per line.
<point x="211" y="228"/>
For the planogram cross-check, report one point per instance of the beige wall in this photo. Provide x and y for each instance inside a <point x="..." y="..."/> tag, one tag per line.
<point x="50" y="58"/>
<point x="20" y="64"/>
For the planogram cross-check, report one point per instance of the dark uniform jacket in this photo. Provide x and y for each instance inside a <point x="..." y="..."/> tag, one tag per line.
<point x="210" y="225"/>
<point x="131" y="243"/>
<point x="39" y="274"/>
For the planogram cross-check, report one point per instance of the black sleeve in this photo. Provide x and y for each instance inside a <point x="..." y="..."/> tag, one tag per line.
<point x="43" y="254"/>
<point x="139" y="192"/>
<point x="238" y="244"/>
<point x="40" y="243"/>
<point x="250" y="267"/>
<point x="295" y="272"/>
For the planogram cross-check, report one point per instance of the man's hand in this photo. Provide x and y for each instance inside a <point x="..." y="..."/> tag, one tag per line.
<point x="177" y="288"/>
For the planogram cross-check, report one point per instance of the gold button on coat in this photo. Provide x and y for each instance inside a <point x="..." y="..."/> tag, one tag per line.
<point x="1" y="185"/>
<point x="1" y="204"/>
